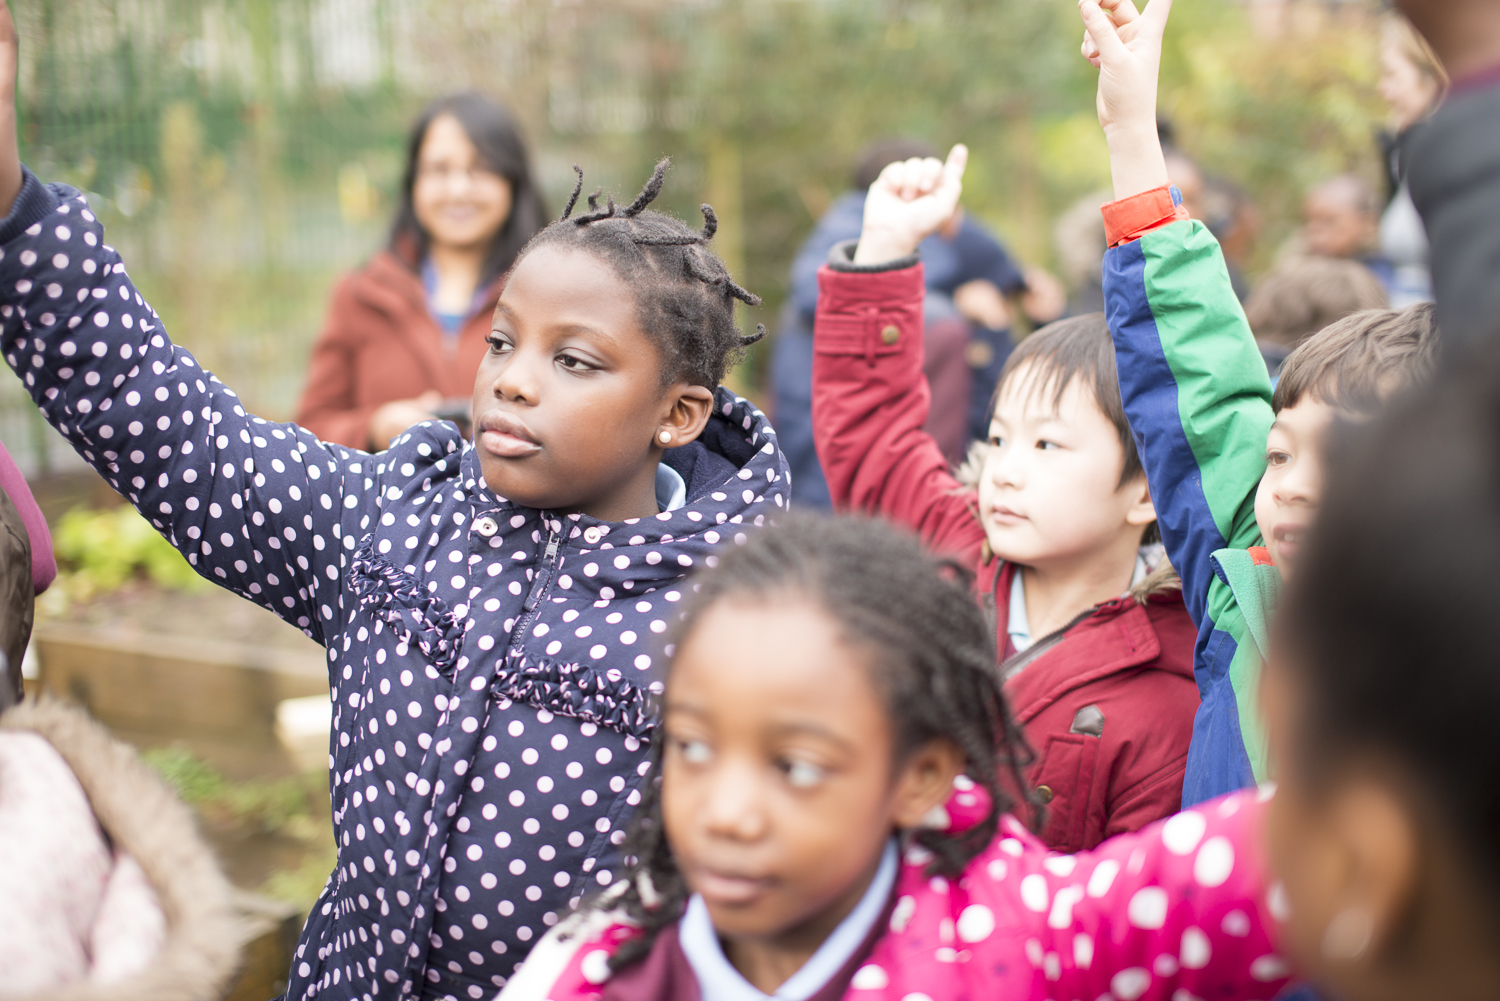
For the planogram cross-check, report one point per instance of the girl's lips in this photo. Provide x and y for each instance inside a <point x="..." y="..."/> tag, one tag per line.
<point x="720" y="888"/>
<point x="506" y="445"/>
<point x="506" y="436"/>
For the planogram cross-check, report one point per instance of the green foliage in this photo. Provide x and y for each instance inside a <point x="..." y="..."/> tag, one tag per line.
<point x="284" y="808"/>
<point x="238" y="186"/>
<point x="101" y="550"/>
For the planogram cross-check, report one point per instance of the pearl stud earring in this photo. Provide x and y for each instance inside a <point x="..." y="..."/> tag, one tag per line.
<point x="666" y="437"/>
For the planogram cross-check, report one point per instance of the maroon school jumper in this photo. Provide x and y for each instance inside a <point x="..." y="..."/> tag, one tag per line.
<point x="1108" y="704"/>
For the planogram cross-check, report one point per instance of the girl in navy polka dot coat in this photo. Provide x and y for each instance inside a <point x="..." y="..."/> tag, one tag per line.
<point x="490" y="608"/>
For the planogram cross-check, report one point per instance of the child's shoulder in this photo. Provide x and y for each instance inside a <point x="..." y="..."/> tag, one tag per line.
<point x="1187" y="893"/>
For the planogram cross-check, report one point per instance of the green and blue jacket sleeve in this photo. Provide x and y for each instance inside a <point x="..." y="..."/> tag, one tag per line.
<point x="1198" y="399"/>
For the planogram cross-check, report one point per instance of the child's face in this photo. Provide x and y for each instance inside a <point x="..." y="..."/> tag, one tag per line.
<point x="569" y="402"/>
<point x="1287" y="498"/>
<point x="1049" y="493"/>
<point x="779" y="785"/>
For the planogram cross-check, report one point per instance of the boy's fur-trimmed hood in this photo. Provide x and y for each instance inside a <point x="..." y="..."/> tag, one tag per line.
<point x="140" y="815"/>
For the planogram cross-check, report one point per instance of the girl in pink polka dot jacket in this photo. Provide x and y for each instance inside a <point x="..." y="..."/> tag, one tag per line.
<point x="825" y="818"/>
<point x="489" y="608"/>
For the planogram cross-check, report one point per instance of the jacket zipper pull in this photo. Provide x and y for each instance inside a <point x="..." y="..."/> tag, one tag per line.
<point x="543" y="573"/>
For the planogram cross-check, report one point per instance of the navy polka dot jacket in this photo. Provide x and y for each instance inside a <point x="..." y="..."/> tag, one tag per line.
<point x="488" y="662"/>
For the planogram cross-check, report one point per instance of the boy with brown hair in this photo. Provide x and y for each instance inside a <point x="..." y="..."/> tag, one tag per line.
<point x="1236" y="471"/>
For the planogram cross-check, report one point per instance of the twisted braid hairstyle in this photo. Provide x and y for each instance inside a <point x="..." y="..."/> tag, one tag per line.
<point x="685" y="296"/>
<point x="933" y="661"/>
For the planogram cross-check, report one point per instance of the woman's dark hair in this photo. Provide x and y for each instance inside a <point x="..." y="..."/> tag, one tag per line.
<point x="1388" y="627"/>
<point x="933" y="656"/>
<point x="498" y="141"/>
<point x="685" y="295"/>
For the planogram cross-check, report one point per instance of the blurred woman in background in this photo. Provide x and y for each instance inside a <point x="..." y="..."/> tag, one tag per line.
<point x="1412" y="82"/>
<point x="405" y="333"/>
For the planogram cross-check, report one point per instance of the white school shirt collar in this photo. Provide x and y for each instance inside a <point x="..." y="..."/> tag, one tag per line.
<point x="718" y="980"/>
<point x="1018" y="624"/>
<point x="671" y="488"/>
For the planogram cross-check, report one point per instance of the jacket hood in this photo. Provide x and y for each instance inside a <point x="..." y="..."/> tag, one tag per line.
<point x="141" y="816"/>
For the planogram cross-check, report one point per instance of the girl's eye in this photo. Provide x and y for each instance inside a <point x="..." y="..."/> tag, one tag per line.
<point x="996" y="441"/>
<point x="498" y="343"/>
<point x="573" y="363"/>
<point x="1277" y="458"/>
<point x="801" y="774"/>
<point x="1045" y="445"/>
<point x="694" y="752"/>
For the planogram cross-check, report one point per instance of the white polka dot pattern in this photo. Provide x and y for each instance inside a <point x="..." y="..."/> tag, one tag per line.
<point x="1025" y="924"/>
<point x="489" y="663"/>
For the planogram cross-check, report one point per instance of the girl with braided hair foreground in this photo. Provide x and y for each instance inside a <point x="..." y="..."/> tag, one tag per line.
<point x="488" y="606"/>
<point x="825" y="817"/>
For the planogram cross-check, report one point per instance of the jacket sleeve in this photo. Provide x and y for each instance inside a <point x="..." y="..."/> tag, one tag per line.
<point x="870" y="401"/>
<point x="328" y="407"/>
<point x="254" y="506"/>
<point x="1195" y="391"/>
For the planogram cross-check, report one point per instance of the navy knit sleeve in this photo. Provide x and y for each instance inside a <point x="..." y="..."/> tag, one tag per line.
<point x="264" y="509"/>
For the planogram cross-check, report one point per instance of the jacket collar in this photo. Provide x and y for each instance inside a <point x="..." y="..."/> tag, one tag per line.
<point x="1255" y="582"/>
<point x="1117" y="636"/>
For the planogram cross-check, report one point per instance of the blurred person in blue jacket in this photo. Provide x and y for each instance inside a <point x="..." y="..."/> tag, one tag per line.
<point x="971" y="283"/>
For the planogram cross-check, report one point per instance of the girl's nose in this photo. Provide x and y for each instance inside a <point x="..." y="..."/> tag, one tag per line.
<point x="734" y="808"/>
<point x="517" y="380"/>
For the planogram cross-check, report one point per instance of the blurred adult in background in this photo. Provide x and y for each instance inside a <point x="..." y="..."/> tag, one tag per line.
<point x="1412" y="82"/>
<point x="405" y="333"/>
<point x="972" y="287"/>
<point x="1341" y="220"/>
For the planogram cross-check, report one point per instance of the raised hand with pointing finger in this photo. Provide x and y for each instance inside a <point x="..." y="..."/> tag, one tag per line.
<point x="909" y="201"/>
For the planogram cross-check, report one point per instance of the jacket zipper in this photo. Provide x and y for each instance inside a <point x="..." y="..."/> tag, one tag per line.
<point x="545" y="571"/>
<point x="1015" y="665"/>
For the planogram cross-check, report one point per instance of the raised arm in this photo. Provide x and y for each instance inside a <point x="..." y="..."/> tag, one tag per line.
<point x="870" y="399"/>
<point x="1193" y="384"/>
<point x="262" y="508"/>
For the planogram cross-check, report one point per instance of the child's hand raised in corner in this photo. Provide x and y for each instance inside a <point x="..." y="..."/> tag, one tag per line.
<point x="1125" y="46"/>
<point x="910" y="200"/>
<point x="10" y="157"/>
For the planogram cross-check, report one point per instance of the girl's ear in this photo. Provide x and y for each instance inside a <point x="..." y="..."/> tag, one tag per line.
<point x="926" y="781"/>
<point x="688" y="410"/>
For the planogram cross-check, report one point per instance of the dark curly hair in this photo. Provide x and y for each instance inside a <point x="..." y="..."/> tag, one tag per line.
<point x="685" y="295"/>
<point x="934" y="661"/>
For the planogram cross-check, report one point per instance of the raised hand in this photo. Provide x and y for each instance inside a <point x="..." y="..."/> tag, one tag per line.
<point x="10" y="157"/>
<point x="1125" y="46"/>
<point x="909" y="201"/>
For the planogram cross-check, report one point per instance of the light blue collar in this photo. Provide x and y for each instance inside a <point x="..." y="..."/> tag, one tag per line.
<point x="1018" y="623"/>
<point x="718" y="980"/>
<point x="671" y="488"/>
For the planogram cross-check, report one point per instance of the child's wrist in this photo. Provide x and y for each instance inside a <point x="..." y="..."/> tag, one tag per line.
<point x="1136" y="161"/>
<point x="879" y="246"/>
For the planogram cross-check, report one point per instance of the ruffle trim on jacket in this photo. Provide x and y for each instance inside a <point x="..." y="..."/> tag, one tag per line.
<point x="601" y="697"/>
<point x="398" y="599"/>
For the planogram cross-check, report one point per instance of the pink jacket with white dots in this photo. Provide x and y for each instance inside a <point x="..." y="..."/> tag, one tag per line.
<point x="1178" y="911"/>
